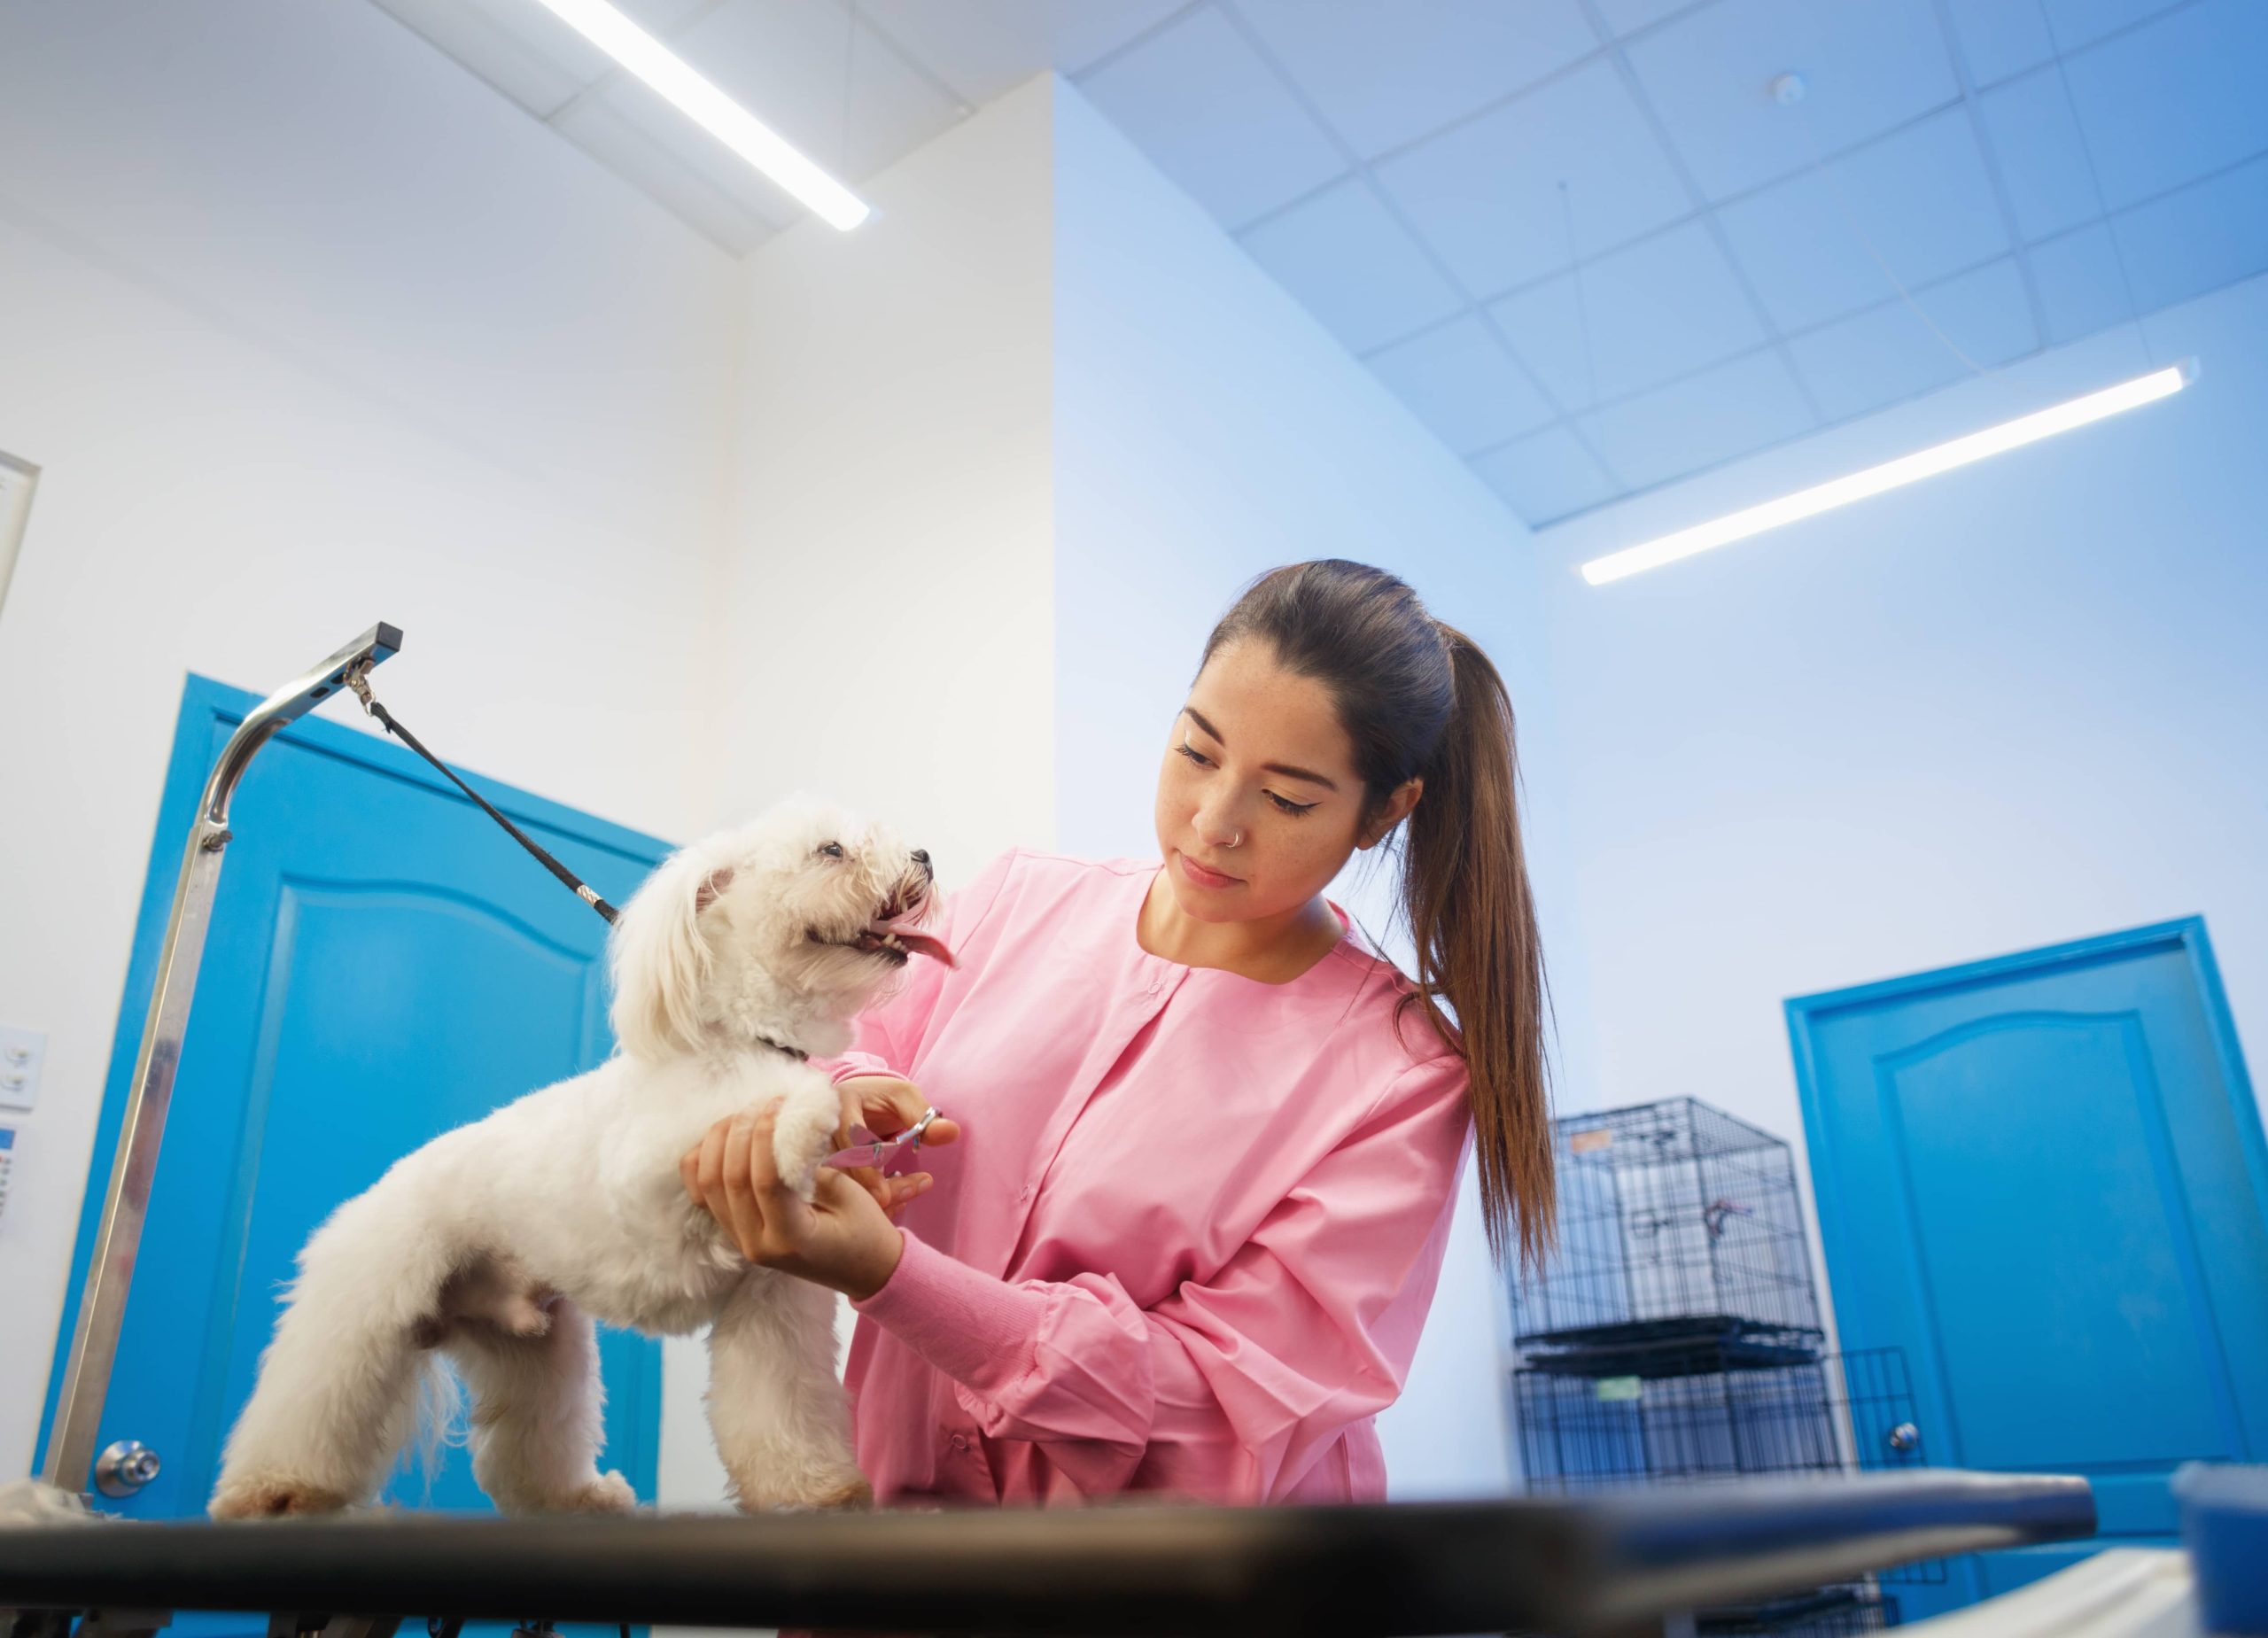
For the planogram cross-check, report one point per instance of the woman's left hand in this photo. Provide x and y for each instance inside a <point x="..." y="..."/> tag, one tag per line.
<point x="841" y="1238"/>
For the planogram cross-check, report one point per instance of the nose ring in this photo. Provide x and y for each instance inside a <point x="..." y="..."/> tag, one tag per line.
<point x="1234" y="840"/>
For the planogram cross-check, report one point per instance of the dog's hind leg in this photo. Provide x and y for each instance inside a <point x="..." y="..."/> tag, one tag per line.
<point x="779" y="1414"/>
<point x="538" y="1421"/>
<point x="336" y="1396"/>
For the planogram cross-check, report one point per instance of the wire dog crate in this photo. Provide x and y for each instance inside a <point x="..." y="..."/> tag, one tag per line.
<point x="1674" y="1335"/>
<point x="1829" y="1613"/>
<point x="1583" y="1430"/>
<point x="1677" y="1224"/>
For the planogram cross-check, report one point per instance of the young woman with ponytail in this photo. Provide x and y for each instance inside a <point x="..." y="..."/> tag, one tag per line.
<point x="1206" y="1139"/>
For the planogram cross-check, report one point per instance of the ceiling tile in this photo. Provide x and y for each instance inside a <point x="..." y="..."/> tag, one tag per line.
<point x="1660" y="308"/>
<point x="1458" y="380"/>
<point x="1343" y="255"/>
<point x="1487" y="195"/>
<point x="2076" y="23"/>
<point x="786" y="61"/>
<point x="2175" y="100"/>
<point x="1890" y="353"/>
<point x="1999" y="39"/>
<point x="1869" y="66"/>
<point x="661" y="18"/>
<point x="516" y="45"/>
<point x="985" y="50"/>
<point x="1385" y="72"/>
<point x="1746" y="405"/>
<point x="1921" y="197"/>
<point x="1628" y="16"/>
<point x="1199" y="101"/>
<point x="981" y="51"/>
<point x="2042" y="159"/>
<point x="627" y="147"/>
<point x="1082" y="32"/>
<point x="2078" y="278"/>
<point x="1546" y="478"/>
<point x="2210" y="234"/>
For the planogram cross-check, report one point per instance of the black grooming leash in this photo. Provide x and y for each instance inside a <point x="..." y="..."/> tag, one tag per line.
<point x="359" y="680"/>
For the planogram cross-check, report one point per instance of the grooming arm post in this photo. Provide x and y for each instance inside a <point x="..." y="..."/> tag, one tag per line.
<point x="110" y="1269"/>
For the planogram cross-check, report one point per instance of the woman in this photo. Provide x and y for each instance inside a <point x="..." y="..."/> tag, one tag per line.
<point x="1188" y="1237"/>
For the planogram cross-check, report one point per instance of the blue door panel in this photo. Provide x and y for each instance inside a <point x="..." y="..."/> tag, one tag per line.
<point x="384" y="964"/>
<point x="2028" y="1124"/>
<point x="2043" y="1179"/>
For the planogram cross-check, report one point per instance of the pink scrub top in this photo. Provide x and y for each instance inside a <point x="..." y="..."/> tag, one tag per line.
<point x="1189" y="1234"/>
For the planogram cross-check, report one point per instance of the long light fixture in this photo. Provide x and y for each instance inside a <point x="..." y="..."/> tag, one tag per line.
<point x="1890" y="474"/>
<point x="711" y="109"/>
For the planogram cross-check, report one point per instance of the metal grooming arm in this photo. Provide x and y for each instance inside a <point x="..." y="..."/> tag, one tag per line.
<point x="109" y="1271"/>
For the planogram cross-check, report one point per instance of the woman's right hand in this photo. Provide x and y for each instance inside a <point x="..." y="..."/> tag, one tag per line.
<point x="886" y="1105"/>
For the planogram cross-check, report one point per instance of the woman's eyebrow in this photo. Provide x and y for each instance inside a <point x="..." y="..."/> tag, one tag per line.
<point x="1283" y="768"/>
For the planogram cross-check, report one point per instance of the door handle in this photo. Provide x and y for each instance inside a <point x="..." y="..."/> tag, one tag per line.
<point x="124" y="1467"/>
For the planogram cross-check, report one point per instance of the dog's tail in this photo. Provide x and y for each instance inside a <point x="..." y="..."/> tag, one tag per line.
<point x="440" y="1418"/>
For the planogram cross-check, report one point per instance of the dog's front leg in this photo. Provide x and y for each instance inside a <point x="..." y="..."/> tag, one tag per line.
<point x="781" y="1422"/>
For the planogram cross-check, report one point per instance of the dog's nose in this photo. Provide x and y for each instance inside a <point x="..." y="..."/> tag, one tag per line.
<point x="921" y="857"/>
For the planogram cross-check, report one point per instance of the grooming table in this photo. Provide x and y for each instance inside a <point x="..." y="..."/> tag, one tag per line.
<point x="1619" y="1565"/>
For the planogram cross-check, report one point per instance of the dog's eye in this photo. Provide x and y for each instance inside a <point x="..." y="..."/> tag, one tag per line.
<point x="833" y="850"/>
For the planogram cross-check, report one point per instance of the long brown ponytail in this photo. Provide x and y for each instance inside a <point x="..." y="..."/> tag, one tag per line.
<point x="1418" y="699"/>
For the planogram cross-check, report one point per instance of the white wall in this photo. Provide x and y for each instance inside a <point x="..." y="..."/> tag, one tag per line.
<point x="1023" y="436"/>
<point x="308" y="328"/>
<point x="2016" y="704"/>
<point x="890" y="573"/>
<point x="1207" y="428"/>
<point x="890" y="634"/>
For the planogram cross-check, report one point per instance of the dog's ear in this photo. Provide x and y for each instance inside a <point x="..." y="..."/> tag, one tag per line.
<point x="661" y="959"/>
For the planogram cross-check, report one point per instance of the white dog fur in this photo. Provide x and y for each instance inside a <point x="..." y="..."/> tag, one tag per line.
<point x="497" y="1245"/>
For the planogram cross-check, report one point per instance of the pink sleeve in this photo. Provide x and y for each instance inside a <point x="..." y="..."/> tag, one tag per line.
<point x="887" y="1037"/>
<point x="1229" y="1388"/>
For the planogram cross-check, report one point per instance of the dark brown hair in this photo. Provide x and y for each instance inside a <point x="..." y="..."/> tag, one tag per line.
<point x="1418" y="699"/>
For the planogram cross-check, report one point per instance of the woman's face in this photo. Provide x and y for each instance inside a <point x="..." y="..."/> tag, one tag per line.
<point x="1259" y="804"/>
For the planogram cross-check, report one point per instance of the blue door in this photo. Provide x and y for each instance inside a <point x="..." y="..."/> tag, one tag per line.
<point x="2043" y="1177"/>
<point x="384" y="963"/>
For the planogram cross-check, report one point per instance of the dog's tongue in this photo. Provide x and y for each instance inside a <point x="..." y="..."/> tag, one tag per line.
<point x="917" y="941"/>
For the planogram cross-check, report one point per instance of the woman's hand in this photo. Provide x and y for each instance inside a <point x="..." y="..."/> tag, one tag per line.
<point x="886" y="1105"/>
<point x="841" y="1238"/>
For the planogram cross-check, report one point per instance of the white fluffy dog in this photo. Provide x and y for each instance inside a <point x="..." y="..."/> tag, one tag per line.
<point x="497" y="1243"/>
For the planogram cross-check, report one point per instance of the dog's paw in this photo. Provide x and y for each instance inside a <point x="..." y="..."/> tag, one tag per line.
<point x="836" y="1490"/>
<point x="267" y="1496"/>
<point x="851" y="1493"/>
<point x="609" y="1493"/>
<point x="802" y="1133"/>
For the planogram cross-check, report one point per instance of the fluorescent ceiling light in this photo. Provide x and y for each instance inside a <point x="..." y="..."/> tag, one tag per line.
<point x="711" y="109"/>
<point x="1890" y="474"/>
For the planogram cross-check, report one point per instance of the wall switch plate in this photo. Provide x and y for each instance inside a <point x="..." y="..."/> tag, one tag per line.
<point x="22" y="1053"/>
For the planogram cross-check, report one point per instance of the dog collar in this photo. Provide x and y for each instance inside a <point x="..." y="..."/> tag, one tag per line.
<point x="796" y="1052"/>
